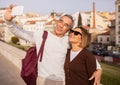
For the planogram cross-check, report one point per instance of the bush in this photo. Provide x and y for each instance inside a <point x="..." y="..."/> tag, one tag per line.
<point x="15" y="39"/>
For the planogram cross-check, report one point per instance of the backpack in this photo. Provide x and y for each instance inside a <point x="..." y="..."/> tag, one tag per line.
<point x="29" y="63"/>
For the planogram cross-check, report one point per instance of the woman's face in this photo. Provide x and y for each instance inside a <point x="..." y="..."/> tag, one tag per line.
<point x="75" y="36"/>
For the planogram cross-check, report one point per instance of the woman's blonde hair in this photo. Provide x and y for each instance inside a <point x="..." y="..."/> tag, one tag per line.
<point x="86" y="37"/>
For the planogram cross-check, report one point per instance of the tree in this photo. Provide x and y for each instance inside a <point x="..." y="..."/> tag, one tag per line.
<point x="79" y="20"/>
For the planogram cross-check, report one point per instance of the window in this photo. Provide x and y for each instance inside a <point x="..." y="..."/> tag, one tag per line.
<point x="108" y="39"/>
<point x="119" y="8"/>
<point x="101" y="39"/>
<point x="118" y="22"/>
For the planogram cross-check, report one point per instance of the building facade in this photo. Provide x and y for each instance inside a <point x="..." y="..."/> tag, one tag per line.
<point x="117" y="9"/>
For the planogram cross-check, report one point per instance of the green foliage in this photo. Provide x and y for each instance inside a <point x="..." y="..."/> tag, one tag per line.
<point x="25" y="48"/>
<point x="79" y="20"/>
<point x="111" y="74"/>
<point x="15" y="39"/>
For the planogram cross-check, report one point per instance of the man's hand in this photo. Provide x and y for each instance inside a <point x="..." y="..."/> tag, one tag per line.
<point x="97" y="75"/>
<point x="7" y="14"/>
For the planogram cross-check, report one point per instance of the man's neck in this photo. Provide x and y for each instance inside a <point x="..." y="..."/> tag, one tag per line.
<point x="58" y="35"/>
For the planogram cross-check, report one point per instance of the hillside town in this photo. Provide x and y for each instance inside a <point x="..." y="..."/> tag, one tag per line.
<point x="103" y="27"/>
<point x="104" y="37"/>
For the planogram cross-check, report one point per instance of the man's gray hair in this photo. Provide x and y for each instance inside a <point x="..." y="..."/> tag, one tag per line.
<point x="69" y="16"/>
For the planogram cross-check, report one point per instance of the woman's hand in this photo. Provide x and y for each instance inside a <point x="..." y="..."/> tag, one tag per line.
<point x="97" y="75"/>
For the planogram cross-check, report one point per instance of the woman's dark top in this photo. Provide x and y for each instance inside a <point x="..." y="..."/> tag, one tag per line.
<point x="80" y="69"/>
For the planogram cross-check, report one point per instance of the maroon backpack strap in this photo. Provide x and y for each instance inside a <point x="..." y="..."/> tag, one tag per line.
<point x="42" y="45"/>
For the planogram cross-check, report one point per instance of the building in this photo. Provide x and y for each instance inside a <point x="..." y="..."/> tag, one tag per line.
<point x="2" y="24"/>
<point x="117" y="32"/>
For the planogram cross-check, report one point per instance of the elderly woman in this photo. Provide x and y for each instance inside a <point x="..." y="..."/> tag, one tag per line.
<point x="80" y="63"/>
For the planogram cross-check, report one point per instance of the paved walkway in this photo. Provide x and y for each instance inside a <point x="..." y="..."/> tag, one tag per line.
<point x="9" y="73"/>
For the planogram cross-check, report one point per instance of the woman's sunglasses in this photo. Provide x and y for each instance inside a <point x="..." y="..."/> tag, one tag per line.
<point x="75" y="32"/>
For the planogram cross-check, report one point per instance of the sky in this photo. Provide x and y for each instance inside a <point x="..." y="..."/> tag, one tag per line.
<point x="66" y="6"/>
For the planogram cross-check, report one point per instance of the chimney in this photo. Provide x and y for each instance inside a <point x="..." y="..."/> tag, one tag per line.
<point x="94" y="18"/>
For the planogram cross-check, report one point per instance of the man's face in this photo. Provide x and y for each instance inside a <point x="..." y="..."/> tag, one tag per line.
<point x="63" y="25"/>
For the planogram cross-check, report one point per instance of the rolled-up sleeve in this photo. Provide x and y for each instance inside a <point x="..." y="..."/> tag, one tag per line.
<point x="19" y="32"/>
